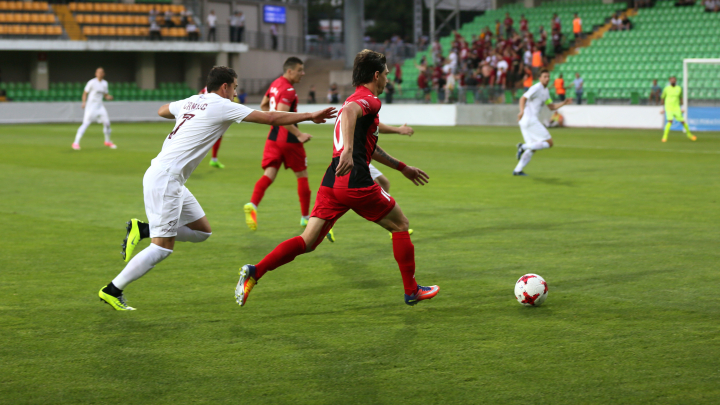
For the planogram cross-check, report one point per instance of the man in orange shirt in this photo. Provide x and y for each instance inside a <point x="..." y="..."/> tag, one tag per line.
<point x="537" y="61"/>
<point x="560" y="87"/>
<point x="527" y="78"/>
<point x="577" y="26"/>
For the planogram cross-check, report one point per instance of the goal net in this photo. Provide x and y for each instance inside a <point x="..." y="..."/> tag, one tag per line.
<point x="701" y="94"/>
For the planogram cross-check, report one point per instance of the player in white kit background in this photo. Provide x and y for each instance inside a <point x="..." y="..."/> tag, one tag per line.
<point x="173" y="212"/>
<point x="92" y="102"/>
<point x="534" y="133"/>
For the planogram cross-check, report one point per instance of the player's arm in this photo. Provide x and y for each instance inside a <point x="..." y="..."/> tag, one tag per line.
<point x="351" y="112"/>
<point x="401" y="130"/>
<point x="265" y="103"/>
<point x="555" y="106"/>
<point x="278" y="118"/>
<point x="302" y="137"/>
<point x="84" y="98"/>
<point x="164" y="112"/>
<point x="108" y="97"/>
<point x="417" y="176"/>
<point x="523" y="101"/>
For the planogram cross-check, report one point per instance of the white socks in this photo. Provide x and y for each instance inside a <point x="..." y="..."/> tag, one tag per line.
<point x="107" y="131"/>
<point x="141" y="264"/>
<point x="185" y="234"/>
<point x="536" y="145"/>
<point x="524" y="160"/>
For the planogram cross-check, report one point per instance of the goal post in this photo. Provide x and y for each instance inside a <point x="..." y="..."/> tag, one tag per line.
<point x="701" y="87"/>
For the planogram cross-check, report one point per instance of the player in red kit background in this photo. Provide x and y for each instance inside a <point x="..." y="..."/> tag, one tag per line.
<point x="348" y="185"/>
<point x="284" y="145"/>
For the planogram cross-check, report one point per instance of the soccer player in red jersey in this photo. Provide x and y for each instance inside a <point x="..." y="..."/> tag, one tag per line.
<point x="284" y="144"/>
<point x="348" y="185"/>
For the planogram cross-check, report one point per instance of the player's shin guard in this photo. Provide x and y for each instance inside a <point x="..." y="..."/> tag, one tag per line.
<point x="141" y="264"/>
<point x="304" y="194"/>
<point x="185" y="234"/>
<point x="216" y="147"/>
<point x="524" y="160"/>
<point x="404" y="252"/>
<point x="259" y="191"/>
<point x="284" y="253"/>
<point x="667" y="131"/>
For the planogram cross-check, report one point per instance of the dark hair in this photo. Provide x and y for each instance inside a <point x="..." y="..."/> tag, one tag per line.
<point x="366" y="63"/>
<point x="544" y="71"/>
<point x="291" y="62"/>
<point x="218" y="76"/>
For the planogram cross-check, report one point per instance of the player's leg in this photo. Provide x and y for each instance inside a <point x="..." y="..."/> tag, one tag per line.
<point x="666" y="132"/>
<point x="687" y="131"/>
<point x="383" y="182"/>
<point x="81" y="131"/>
<point x="105" y="120"/>
<point x="404" y="252"/>
<point x="304" y="196"/>
<point x="272" y="159"/>
<point x="193" y="225"/>
<point x="326" y="206"/>
<point x="214" y="162"/>
<point x="536" y="137"/>
<point x="295" y="158"/>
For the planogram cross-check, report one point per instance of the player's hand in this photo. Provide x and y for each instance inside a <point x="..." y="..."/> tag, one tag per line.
<point x="662" y="111"/>
<point x="406" y="130"/>
<point x="303" y="137"/>
<point x="520" y="115"/>
<point x="417" y="176"/>
<point x="345" y="165"/>
<point x="83" y="106"/>
<point x="109" y="97"/>
<point x="568" y="101"/>
<point x="319" y="117"/>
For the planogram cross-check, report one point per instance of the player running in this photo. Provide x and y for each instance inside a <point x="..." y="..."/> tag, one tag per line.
<point x="672" y="96"/>
<point x="214" y="162"/>
<point x="92" y="102"/>
<point x="347" y="185"/>
<point x="534" y="133"/>
<point x="284" y="145"/>
<point x="173" y="212"/>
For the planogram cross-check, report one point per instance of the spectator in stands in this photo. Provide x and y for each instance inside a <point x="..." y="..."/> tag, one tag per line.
<point x="389" y="92"/>
<point x="274" y="35"/>
<point x="436" y="52"/>
<point x="578" y="84"/>
<point x="537" y="62"/>
<point x="626" y="23"/>
<point x="3" y="96"/>
<point x="423" y="85"/>
<point x="542" y="42"/>
<point x="333" y="94"/>
<point x="169" y="23"/>
<point x="555" y="23"/>
<point x="560" y="87"/>
<point x="501" y="73"/>
<point x="497" y="28"/>
<point x="508" y="25"/>
<point x="311" y="95"/>
<point x="186" y="17"/>
<point x="527" y="77"/>
<point x="242" y="96"/>
<point x="527" y="56"/>
<point x="655" y="92"/>
<point x="211" y="21"/>
<point x="155" y="31"/>
<point x="616" y="22"/>
<point x="423" y="66"/>
<point x="577" y="26"/>
<point x="557" y="42"/>
<point x="398" y="78"/>
<point x="523" y="24"/>
<point x="237" y="26"/>
<point x="152" y="16"/>
<point x="193" y="33"/>
<point x="712" y="6"/>
<point x="453" y="60"/>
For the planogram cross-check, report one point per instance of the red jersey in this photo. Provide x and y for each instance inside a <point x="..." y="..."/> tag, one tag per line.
<point x="364" y="140"/>
<point x="282" y="91"/>
<point x="523" y="25"/>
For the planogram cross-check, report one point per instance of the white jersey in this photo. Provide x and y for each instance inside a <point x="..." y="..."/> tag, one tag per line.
<point x="200" y="121"/>
<point x="537" y="96"/>
<point x="96" y="90"/>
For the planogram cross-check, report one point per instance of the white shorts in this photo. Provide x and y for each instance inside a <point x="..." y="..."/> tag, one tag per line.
<point x="374" y="172"/>
<point x="168" y="203"/>
<point x="98" y="114"/>
<point x="534" y="131"/>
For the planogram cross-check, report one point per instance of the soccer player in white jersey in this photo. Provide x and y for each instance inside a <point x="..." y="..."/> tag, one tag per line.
<point x="173" y="212"/>
<point x="92" y="102"/>
<point x="534" y="133"/>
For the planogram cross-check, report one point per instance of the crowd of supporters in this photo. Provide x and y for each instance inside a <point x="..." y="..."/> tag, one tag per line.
<point x="166" y="20"/>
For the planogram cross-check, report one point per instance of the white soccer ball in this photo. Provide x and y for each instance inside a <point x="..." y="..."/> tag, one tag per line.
<point x="531" y="290"/>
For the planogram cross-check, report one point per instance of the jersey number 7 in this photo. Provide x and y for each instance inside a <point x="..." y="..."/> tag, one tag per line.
<point x="186" y="117"/>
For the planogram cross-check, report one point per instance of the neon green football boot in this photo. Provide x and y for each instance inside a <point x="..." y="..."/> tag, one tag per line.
<point x="303" y="222"/>
<point x="216" y="163"/>
<point x="118" y="303"/>
<point x="132" y="238"/>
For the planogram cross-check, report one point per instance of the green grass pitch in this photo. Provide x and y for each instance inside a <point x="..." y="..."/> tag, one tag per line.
<point x="623" y="228"/>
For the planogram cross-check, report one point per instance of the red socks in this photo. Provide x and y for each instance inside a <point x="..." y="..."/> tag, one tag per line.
<point x="304" y="193"/>
<point x="216" y="147"/>
<point x="404" y="252"/>
<point x="284" y="253"/>
<point x="260" y="188"/>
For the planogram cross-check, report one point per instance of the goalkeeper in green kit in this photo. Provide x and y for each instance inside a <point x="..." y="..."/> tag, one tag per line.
<point x="672" y="97"/>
